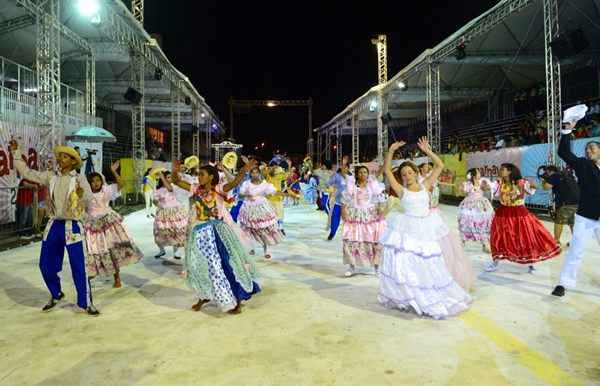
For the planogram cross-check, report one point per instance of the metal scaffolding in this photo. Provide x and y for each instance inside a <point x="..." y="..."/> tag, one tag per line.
<point x="319" y="147"/>
<point x="175" y="123"/>
<point x="138" y="119"/>
<point x="328" y="144"/>
<point x="433" y="105"/>
<point x="90" y="85"/>
<point x="382" y="126"/>
<point x="553" y="91"/>
<point x="137" y="9"/>
<point x="338" y="144"/>
<point x="355" y="138"/>
<point x="47" y="61"/>
<point x="381" y="43"/>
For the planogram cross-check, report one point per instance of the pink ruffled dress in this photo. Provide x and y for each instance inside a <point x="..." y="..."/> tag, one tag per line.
<point x="170" y="221"/>
<point x="257" y="217"/>
<point x="108" y="245"/>
<point x="475" y="214"/>
<point x="364" y="224"/>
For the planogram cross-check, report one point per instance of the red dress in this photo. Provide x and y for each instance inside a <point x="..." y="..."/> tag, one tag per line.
<point x="516" y="234"/>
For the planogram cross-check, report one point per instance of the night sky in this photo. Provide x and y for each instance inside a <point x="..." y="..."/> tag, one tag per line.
<point x="283" y="49"/>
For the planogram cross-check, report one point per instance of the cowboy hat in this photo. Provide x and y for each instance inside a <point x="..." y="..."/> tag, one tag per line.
<point x="230" y="160"/>
<point x="191" y="162"/>
<point x="71" y="152"/>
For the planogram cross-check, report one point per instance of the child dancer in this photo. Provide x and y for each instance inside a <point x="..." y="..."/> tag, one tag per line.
<point x="109" y="246"/>
<point x="516" y="234"/>
<point x="276" y="176"/>
<point x="257" y="217"/>
<point x="171" y="221"/>
<point x="149" y="185"/>
<point x="413" y="273"/>
<point x="364" y="223"/>
<point x="475" y="212"/>
<point x="68" y="195"/>
<point x="216" y="264"/>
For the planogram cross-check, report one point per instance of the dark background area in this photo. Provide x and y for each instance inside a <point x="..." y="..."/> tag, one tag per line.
<point x="281" y="49"/>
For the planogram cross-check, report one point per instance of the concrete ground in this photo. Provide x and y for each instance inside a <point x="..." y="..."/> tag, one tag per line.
<point x="309" y="325"/>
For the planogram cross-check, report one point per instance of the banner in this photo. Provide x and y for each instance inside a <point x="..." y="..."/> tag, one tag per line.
<point x="128" y="176"/>
<point x="453" y="175"/>
<point x="28" y="138"/>
<point x="489" y="162"/>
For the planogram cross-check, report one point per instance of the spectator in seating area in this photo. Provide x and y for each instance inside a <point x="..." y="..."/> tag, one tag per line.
<point x="595" y="131"/>
<point x="581" y="132"/>
<point x="24" y="208"/>
<point x="566" y="197"/>
<point x="500" y="142"/>
<point x="541" y="134"/>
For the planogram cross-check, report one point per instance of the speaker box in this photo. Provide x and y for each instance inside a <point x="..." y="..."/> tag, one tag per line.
<point x="133" y="96"/>
<point x="569" y="44"/>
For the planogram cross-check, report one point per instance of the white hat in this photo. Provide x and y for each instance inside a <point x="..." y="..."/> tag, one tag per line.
<point x="574" y="114"/>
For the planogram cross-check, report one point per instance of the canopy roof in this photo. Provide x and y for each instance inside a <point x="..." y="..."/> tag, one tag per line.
<point x="112" y="54"/>
<point x="504" y="51"/>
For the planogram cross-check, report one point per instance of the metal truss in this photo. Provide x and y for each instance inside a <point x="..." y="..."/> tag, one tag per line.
<point x="381" y="43"/>
<point x="319" y="147"/>
<point x="90" y="85"/>
<point x="355" y="139"/>
<point x="553" y="91"/>
<point x="433" y="106"/>
<point x="48" y="77"/>
<point x="16" y="24"/>
<point x="328" y="144"/>
<point x="137" y="9"/>
<point x="382" y="127"/>
<point x="138" y="119"/>
<point x="195" y="131"/>
<point x="175" y="124"/>
<point x="338" y="144"/>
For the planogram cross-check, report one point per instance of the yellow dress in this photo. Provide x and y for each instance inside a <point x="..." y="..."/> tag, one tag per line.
<point x="278" y="180"/>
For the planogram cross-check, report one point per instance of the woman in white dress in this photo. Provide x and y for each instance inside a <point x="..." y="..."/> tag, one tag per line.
<point x="413" y="273"/>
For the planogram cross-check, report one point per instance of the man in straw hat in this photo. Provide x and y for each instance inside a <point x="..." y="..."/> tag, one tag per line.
<point x="68" y="194"/>
<point x="587" y="219"/>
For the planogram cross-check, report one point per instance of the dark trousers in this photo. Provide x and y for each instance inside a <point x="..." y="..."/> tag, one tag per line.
<point x="24" y="219"/>
<point x="336" y="217"/>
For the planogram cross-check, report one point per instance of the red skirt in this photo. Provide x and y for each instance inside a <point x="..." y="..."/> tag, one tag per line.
<point x="518" y="236"/>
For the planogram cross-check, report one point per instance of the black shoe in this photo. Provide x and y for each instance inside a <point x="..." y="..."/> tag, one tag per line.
<point x="53" y="302"/>
<point x="330" y="238"/>
<point x="283" y="232"/>
<point x="559" y="291"/>
<point x="159" y="255"/>
<point x="177" y="257"/>
<point x="92" y="311"/>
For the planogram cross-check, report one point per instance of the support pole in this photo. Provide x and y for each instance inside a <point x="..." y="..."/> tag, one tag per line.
<point x="355" y="139"/>
<point x="138" y="119"/>
<point x="338" y="144"/>
<point x="209" y="129"/>
<point x="310" y="146"/>
<point x="328" y="144"/>
<point x="175" y="123"/>
<point x="319" y="147"/>
<point x="195" y="130"/>
<point x="382" y="127"/>
<point x="433" y="106"/>
<point x="553" y="90"/>
<point x="47" y="61"/>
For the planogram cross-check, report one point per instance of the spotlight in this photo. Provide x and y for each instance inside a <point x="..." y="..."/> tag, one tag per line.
<point x="88" y="8"/>
<point x="402" y="85"/>
<point x="203" y="115"/>
<point x="271" y="104"/>
<point x="460" y="53"/>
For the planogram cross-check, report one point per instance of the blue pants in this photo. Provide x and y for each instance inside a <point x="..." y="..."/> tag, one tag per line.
<point x="325" y="202"/>
<point x="336" y="216"/>
<point x="235" y="211"/>
<point x="51" y="261"/>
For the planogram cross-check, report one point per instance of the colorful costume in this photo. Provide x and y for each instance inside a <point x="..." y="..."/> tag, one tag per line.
<point x="413" y="273"/>
<point x="108" y="244"/>
<point x="216" y="264"/>
<point x="171" y="221"/>
<point x="364" y="224"/>
<point x="475" y="214"/>
<point x="278" y="180"/>
<point x="257" y="217"/>
<point x="516" y="234"/>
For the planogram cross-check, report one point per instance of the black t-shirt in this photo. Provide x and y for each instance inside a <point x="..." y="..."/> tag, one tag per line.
<point x="565" y="189"/>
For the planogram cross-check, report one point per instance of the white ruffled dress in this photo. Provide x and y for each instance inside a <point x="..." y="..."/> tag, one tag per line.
<point x="413" y="273"/>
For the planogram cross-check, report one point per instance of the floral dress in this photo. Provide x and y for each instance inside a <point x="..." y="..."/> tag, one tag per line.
<point x="475" y="214"/>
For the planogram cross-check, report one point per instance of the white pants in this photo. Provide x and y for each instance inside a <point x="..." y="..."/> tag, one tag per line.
<point x="148" y="198"/>
<point x="583" y="229"/>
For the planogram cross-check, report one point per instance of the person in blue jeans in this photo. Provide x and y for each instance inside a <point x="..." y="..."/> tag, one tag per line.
<point x="68" y="195"/>
<point x="338" y="182"/>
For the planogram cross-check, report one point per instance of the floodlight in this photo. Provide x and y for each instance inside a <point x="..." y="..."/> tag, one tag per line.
<point x="203" y="115"/>
<point x="373" y="105"/>
<point x="271" y="104"/>
<point x="88" y="8"/>
<point x="401" y="85"/>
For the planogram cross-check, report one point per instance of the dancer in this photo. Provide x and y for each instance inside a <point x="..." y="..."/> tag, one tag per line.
<point x="257" y="217"/>
<point x="566" y="197"/>
<point x="109" y="246"/>
<point x="293" y="187"/>
<point x="413" y="273"/>
<point x="364" y="224"/>
<point x="310" y="189"/>
<point x="69" y="194"/>
<point x="324" y="175"/>
<point x="516" y="234"/>
<point x="338" y="183"/>
<point x="276" y="176"/>
<point x="587" y="219"/>
<point x="148" y="188"/>
<point x="475" y="212"/>
<point x="216" y="264"/>
<point x="171" y="221"/>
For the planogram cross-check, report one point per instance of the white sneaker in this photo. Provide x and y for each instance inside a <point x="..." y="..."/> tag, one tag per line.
<point x="349" y="272"/>
<point x="491" y="266"/>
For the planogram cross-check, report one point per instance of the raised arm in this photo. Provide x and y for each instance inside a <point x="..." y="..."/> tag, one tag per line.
<point x="387" y="169"/>
<point x="248" y="165"/>
<point x="42" y="178"/>
<point x="114" y="167"/>
<point x="564" y="147"/>
<point x="177" y="178"/>
<point x="166" y="183"/>
<point x="227" y="173"/>
<point x="438" y="164"/>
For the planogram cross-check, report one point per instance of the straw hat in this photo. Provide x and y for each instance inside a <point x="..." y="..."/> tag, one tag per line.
<point x="191" y="162"/>
<point x="68" y="150"/>
<point x="230" y="160"/>
<point x="155" y="171"/>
